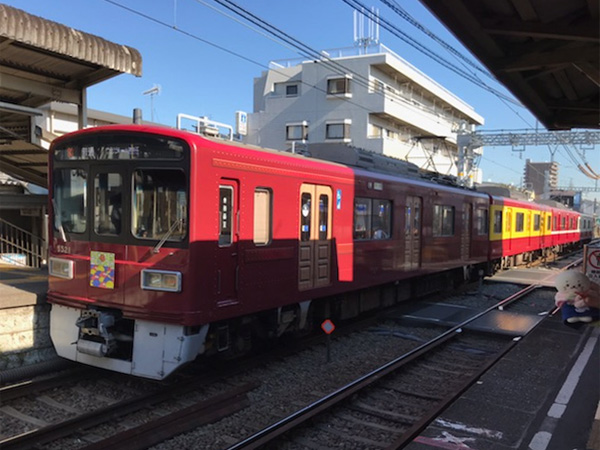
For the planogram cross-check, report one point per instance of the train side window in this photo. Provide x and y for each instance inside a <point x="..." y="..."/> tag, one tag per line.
<point x="520" y="222"/>
<point x="262" y="216"/>
<point x="225" y="215"/>
<point x="305" y="216"/>
<point x="481" y="221"/>
<point x="373" y="219"/>
<point x="549" y="223"/>
<point x="443" y="220"/>
<point x="497" y="222"/>
<point x="563" y="223"/>
<point x="362" y="218"/>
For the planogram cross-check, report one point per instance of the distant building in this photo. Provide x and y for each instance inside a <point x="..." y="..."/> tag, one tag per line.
<point x="541" y="177"/>
<point x="367" y="98"/>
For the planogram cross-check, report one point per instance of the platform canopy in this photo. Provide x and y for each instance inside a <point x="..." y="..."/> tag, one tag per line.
<point x="43" y="61"/>
<point x="547" y="53"/>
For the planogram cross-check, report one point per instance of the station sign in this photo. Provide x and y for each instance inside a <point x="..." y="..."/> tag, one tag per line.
<point x="591" y="264"/>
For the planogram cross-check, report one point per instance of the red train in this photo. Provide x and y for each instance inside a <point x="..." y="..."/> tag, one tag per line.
<point x="166" y="245"/>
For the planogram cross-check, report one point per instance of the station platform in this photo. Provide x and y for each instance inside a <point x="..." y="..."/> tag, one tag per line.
<point x="22" y="286"/>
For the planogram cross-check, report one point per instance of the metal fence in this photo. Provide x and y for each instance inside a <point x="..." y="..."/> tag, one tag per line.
<point x="20" y="247"/>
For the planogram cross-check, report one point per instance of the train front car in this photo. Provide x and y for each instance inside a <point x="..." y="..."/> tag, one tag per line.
<point x="119" y="250"/>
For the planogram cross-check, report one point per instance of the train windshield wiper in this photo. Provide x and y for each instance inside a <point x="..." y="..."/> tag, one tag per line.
<point x="58" y="222"/>
<point x="167" y="235"/>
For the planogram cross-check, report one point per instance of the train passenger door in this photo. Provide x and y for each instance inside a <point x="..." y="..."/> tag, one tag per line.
<point x="227" y="261"/>
<point x="314" y="252"/>
<point x="412" y="233"/>
<point x="465" y="242"/>
<point x="507" y="238"/>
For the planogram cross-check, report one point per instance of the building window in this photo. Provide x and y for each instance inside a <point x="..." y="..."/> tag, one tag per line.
<point x="443" y="220"/>
<point x="296" y="131"/>
<point x="291" y="90"/>
<point x="338" y="130"/>
<point x="338" y="86"/>
<point x="262" y="216"/>
<point x="375" y="131"/>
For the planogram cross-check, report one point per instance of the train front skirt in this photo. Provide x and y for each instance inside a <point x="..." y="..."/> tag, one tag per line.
<point x="158" y="349"/>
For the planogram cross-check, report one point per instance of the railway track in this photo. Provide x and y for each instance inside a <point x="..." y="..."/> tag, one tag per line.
<point x="391" y="405"/>
<point x="178" y="408"/>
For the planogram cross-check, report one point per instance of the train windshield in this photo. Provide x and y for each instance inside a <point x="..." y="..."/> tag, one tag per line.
<point x="70" y="201"/>
<point x="159" y="204"/>
<point x="121" y="188"/>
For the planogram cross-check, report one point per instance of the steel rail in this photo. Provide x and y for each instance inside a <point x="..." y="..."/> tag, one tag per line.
<point x="25" y="388"/>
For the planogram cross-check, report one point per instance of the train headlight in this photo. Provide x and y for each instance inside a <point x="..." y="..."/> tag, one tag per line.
<point x="161" y="280"/>
<point x="61" y="268"/>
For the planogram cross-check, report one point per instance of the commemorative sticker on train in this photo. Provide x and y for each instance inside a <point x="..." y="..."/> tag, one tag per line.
<point x="102" y="270"/>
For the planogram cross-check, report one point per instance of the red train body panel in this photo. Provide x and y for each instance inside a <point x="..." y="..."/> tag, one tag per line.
<point x="215" y="235"/>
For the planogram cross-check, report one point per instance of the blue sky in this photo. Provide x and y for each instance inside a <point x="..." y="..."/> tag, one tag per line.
<point x="199" y="79"/>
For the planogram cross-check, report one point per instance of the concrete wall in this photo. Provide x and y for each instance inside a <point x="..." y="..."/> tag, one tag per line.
<point x="24" y="319"/>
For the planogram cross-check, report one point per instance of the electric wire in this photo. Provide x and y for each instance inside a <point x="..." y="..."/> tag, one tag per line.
<point x="423" y="49"/>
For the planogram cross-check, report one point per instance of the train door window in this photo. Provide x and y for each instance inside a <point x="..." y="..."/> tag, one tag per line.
<point x="536" y="222"/>
<point x="226" y="209"/>
<point x="381" y="220"/>
<point x="497" y="222"/>
<point x="262" y="216"/>
<point x="563" y="223"/>
<point x="305" y="216"/>
<point x="481" y="221"/>
<point x="323" y="216"/>
<point x="417" y="217"/>
<point x="508" y="220"/>
<point x="520" y="222"/>
<point x="107" y="203"/>
<point x="548" y="222"/>
<point x="443" y="220"/>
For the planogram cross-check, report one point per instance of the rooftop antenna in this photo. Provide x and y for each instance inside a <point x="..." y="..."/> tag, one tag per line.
<point x="154" y="90"/>
<point x="361" y="39"/>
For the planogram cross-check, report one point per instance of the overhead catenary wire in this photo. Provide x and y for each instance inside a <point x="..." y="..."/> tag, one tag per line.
<point x="361" y="7"/>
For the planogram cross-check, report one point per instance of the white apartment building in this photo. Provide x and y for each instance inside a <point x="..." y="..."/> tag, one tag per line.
<point x="368" y="98"/>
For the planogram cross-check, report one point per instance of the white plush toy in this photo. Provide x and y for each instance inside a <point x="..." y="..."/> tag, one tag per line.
<point x="570" y="284"/>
